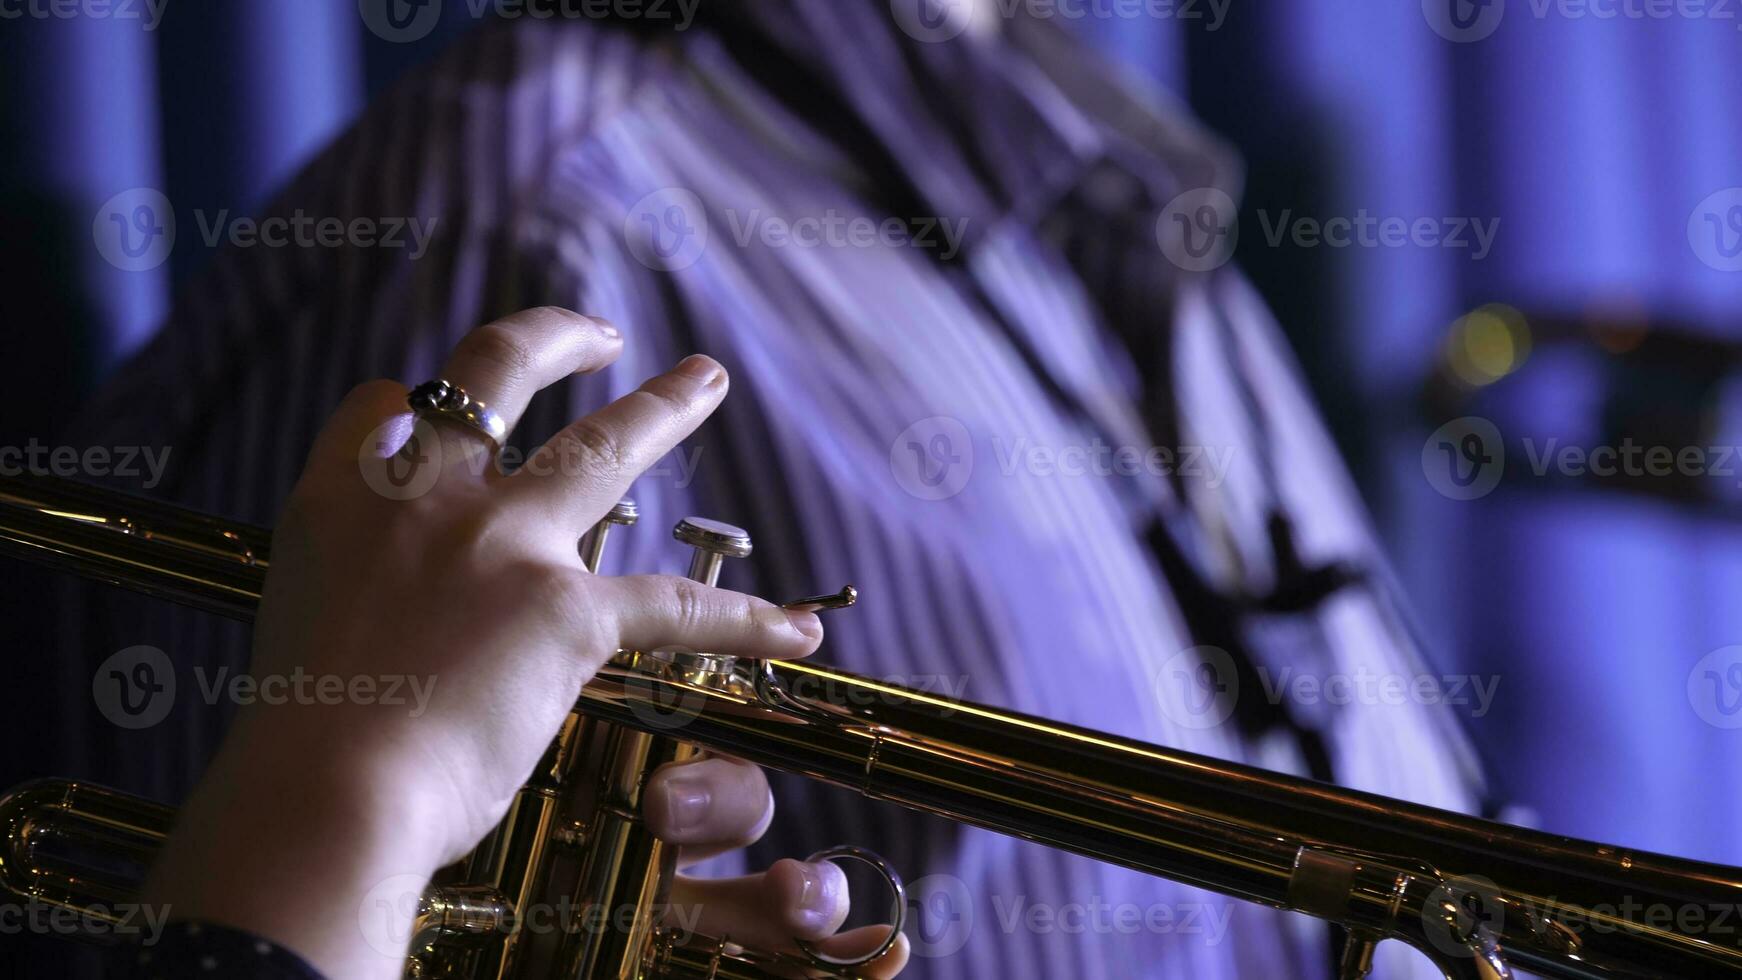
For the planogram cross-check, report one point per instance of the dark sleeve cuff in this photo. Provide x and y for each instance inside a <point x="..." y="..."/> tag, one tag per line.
<point x="201" y="950"/>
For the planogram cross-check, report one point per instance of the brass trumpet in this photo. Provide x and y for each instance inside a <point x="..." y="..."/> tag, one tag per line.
<point x="1477" y="897"/>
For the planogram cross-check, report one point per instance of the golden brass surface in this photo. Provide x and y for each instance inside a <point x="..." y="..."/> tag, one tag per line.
<point x="1477" y="897"/>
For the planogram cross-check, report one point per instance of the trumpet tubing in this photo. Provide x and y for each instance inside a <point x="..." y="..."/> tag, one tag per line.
<point x="1476" y="896"/>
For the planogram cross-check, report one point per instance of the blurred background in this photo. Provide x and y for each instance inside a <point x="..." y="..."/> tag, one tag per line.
<point x="1578" y="167"/>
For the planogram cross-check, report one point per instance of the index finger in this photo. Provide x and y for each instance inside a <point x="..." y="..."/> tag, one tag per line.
<point x="587" y="467"/>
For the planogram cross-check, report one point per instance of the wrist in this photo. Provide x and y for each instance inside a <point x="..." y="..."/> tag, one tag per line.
<point x="337" y="778"/>
<point x="288" y="839"/>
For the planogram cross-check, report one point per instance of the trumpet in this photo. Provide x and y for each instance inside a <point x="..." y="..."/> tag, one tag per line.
<point x="1478" y="898"/>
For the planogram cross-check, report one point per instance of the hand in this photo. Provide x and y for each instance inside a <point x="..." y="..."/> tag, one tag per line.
<point x="471" y="595"/>
<point x="767" y="911"/>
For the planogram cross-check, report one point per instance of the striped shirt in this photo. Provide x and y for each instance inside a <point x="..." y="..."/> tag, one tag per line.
<point x="967" y="379"/>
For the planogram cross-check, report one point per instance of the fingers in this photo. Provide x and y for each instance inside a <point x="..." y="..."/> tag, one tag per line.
<point x="504" y="363"/>
<point x="855" y="943"/>
<point x="708" y="806"/>
<point x="358" y="426"/>
<point x="665" y="612"/>
<point x="588" y="467"/>
<point x="791" y="900"/>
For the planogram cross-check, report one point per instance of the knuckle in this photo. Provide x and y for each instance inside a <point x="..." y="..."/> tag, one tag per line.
<point x="692" y="609"/>
<point x="598" y="445"/>
<point x="568" y="597"/>
<point x="373" y="392"/>
<point x="663" y="395"/>
<point x="501" y="346"/>
<point x="551" y="311"/>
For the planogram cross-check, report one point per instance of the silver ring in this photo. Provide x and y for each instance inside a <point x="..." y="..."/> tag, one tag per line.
<point x="897" y="902"/>
<point x="446" y="400"/>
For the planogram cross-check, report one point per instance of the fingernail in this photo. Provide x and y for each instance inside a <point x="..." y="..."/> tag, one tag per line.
<point x="606" y="327"/>
<point x="776" y="617"/>
<point x="703" y="369"/>
<point x="806" y="623"/>
<point x="818" y="894"/>
<point x="688" y="801"/>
